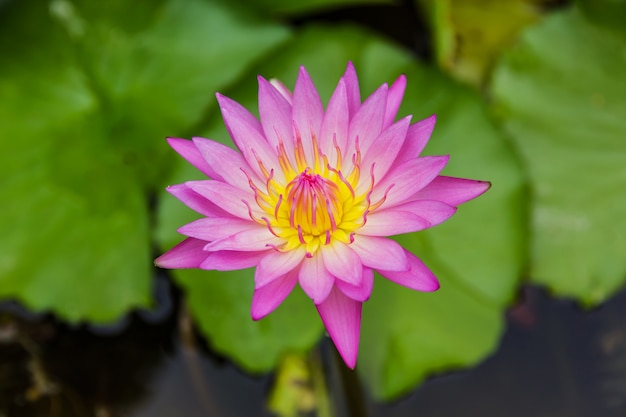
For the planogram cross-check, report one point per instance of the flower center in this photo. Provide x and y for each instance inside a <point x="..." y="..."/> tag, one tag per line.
<point x="314" y="204"/>
<point x="317" y="203"/>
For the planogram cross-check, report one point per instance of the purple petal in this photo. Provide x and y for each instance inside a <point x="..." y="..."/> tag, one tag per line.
<point x="187" y="254"/>
<point x="275" y="264"/>
<point x="240" y="112"/>
<point x="342" y="317"/>
<point x="247" y="134"/>
<point x="352" y="89"/>
<point x="361" y="293"/>
<point x="227" y="260"/>
<point x="195" y="201"/>
<point x="394" y="99"/>
<point x="275" y="112"/>
<point x="383" y="152"/>
<point x="335" y="123"/>
<point x="452" y="191"/>
<point x="342" y="262"/>
<point x="416" y="139"/>
<point x="213" y="228"/>
<point x="368" y="120"/>
<point x="407" y="179"/>
<point x="407" y="218"/>
<point x="228" y="197"/>
<point x="434" y="212"/>
<point x="267" y="298"/>
<point x="380" y="253"/>
<point x="315" y="280"/>
<point x="227" y="163"/>
<point x="256" y="239"/>
<point x="283" y="90"/>
<point x="308" y="112"/>
<point x="392" y="222"/>
<point x="188" y="150"/>
<point x="418" y="277"/>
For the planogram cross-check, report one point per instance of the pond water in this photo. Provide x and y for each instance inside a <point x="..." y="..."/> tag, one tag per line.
<point x="554" y="360"/>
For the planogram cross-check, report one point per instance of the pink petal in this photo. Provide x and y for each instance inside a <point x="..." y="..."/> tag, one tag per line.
<point x="228" y="197"/>
<point x="342" y="262"/>
<point x="315" y="280"/>
<point x="416" y="139"/>
<point x="335" y="123"/>
<point x="257" y="239"/>
<point x="407" y="179"/>
<point x="187" y="254"/>
<point x="394" y="99"/>
<point x="239" y="112"/>
<point x="267" y="298"/>
<point x="361" y="293"/>
<point x="282" y="89"/>
<point x="434" y="212"/>
<point x="368" y="120"/>
<point x="188" y="150"/>
<point x="418" y="277"/>
<point x="380" y="253"/>
<point x="342" y="317"/>
<point x="227" y="260"/>
<point x="392" y="222"/>
<point x="383" y="152"/>
<point x="308" y="112"/>
<point x="275" y="264"/>
<point x="452" y="191"/>
<point x="195" y="201"/>
<point x="352" y="89"/>
<point x="406" y="218"/>
<point x="213" y="228"/>
<point x="227" y="163"/>
<point x="275" y="113"/>
<point x="247" y="134"/>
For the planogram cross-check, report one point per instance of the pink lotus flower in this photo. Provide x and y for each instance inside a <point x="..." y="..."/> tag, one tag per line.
<point x="311" y="195"/>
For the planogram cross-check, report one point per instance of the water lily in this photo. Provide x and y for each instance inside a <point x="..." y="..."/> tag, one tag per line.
<point x="311" y="195"/>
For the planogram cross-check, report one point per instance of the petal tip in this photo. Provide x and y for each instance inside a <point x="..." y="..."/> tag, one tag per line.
<point x="174" y="142"/>
<point x="257" y="315"/>
<point x="350" y="361"/>
<point x="432" y="286"/>
<point x="342" y="318"/>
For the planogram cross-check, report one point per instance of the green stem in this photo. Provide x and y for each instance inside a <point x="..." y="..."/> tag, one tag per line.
<point x="344" y="388"/>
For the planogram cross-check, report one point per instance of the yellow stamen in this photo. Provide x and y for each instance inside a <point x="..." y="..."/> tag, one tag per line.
<point x="316" y="203"/>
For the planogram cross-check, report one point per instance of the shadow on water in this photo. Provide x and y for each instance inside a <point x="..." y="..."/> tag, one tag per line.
<point x="149" y="365"/>
<point x="554" y="360"/>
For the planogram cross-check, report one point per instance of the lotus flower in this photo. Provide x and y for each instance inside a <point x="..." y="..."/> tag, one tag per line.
<point x="310" y="196"/>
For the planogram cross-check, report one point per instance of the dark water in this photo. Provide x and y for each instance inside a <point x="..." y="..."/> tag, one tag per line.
<point x="554" y="360"/>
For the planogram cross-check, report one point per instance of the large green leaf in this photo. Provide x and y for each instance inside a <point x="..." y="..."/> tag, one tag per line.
<point x="477" y="255"/>
<point x="86" y="98"/>
<point x="562" y="96"/>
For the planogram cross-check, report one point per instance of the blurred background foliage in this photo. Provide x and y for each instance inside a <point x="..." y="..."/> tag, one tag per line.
<point x="529" y="94"/>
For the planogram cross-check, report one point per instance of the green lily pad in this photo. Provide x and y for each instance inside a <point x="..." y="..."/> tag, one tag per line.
<point x="477" y="255"/>
<point x="561" y="94"/>
<point x="86" y="99"/>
